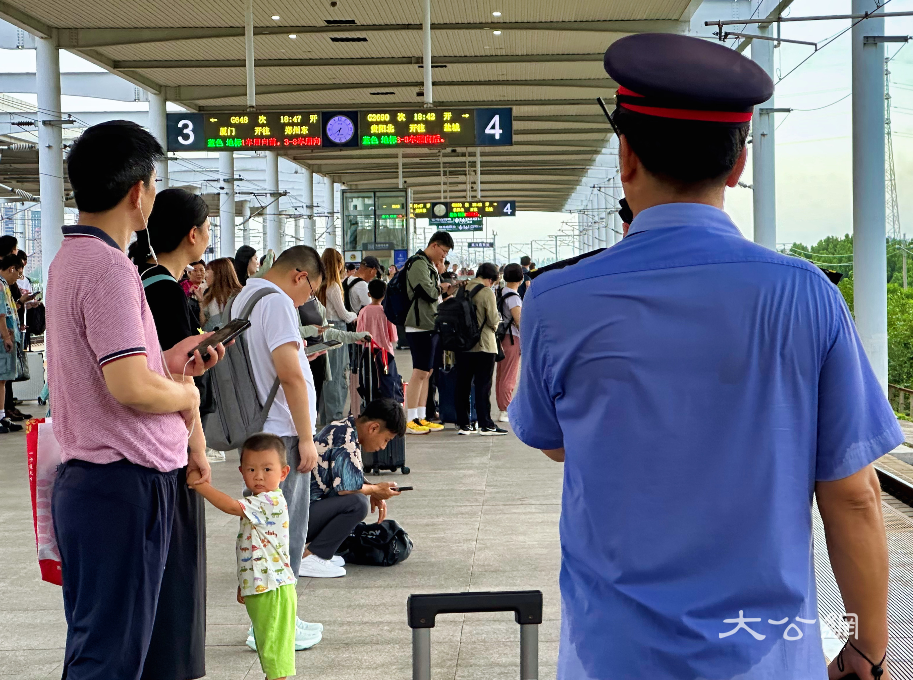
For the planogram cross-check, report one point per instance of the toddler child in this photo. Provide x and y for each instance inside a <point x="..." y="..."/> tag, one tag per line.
<point x="266" y="584"/>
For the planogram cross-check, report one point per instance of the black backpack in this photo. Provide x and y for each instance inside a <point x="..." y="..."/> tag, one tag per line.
<point x="397" y="303"/>
<point x="507" y="319"/>
<point x="347" y="287"/>
<point x="457" y="323"/>
<point x="380" y="545"/>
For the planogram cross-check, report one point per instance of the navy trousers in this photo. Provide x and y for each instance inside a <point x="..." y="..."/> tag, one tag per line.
<point x="113" y="526"/>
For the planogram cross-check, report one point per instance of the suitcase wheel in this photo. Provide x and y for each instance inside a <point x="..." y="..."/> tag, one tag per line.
<point x="405" y="470"/>
<point x="376" y="470"/>
<point x="41" y="401"/>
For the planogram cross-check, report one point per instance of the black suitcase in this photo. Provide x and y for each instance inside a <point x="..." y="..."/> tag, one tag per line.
<point x="393" y="457"/>
<point x="526" y="605"/>
<point x="446" y="380"/>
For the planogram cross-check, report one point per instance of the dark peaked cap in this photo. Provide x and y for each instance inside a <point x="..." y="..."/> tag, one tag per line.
<point x="684" y="78"/>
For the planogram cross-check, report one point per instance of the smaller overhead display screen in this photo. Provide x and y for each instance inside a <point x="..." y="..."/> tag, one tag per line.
<point x="457" y="223"/>
<point x="481" y="244"/>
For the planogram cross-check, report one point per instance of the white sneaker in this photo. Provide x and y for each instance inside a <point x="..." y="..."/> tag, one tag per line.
<point x="314" y="567"/>
<point x="304" y="625"/>
<point x="504" y="418"/>
<point x="337" y="561"/>
<point x="304" y="638"/>
<point x="214" y="456"/>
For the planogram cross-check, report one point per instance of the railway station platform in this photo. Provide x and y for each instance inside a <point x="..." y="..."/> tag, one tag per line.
<point x="483" y="516"/>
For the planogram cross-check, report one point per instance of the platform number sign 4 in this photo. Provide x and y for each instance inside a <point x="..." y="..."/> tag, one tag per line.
<point x="494" y="127"/>
<point x="508" y="208"/>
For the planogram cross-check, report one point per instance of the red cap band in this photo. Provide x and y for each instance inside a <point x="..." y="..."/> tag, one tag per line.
<point x="683" y="114"/>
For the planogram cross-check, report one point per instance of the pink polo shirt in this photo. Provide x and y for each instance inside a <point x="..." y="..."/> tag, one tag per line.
<point x="97" y="313"/>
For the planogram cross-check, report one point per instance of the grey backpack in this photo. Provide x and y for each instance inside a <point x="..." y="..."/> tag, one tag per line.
<point x="238" y="411"/>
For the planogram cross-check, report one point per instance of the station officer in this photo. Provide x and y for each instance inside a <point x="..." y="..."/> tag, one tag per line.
<point x="700" y="390"/>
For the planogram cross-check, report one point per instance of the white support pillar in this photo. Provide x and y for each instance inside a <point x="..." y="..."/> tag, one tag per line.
<point x="50" y="150"/>
<point x="245" y="219"/>
<point x="227" y="205"/>
<point x="581" y="244"/>
<point x="272" y="229"/>
<point x="763" y="157"/>
<point x="601" y="220"/>
<point x="331" y="213"/>
<point x="158" y="126"/>
<point x="309" y="237"/>
<point x="299" y="231"/>
<point x="869" y="252"/>
<point x="249" y="53"/>
<point x="426" y="51"/>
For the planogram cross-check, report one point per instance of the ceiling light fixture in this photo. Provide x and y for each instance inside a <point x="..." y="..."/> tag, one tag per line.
<point x="497" y="32"/>
<point x="292" y="36"/>
<point x="276" y="17"/>
<point x="495" y="14"/>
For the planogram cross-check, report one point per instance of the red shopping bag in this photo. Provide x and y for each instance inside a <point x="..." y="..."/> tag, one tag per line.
<point x="43" y="454"/>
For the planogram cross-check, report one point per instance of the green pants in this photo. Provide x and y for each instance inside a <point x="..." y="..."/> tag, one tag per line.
<point x="273" y="614"/>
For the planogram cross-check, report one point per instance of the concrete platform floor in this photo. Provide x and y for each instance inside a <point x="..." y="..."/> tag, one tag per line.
<point x="483" y="516"/>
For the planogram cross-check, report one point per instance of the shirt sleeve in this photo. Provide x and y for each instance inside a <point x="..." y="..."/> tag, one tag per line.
<point x="533" y="416"/>
<point x="115" y="331"/>
<point x="282" y="325"/>
<point x="258" y="508"/>
<point x="361" y="326"/>
<point x="359" y="295"/>
<point x="856" y="424"/>
<point x="336" y="307"/>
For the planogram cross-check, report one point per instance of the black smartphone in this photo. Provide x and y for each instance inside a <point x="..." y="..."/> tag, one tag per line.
<point x="321" y="346"/>
<point x="224" y="335"/>
<point x="404" y="488"/>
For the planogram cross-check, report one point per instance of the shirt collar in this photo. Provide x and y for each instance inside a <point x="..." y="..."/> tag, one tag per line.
<point x="681" y="215"/>
<point x="93" y="232"/>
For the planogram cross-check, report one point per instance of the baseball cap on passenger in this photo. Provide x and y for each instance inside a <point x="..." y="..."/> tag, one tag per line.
<point x="687" y="79"/>
<point x="370" y="262"/>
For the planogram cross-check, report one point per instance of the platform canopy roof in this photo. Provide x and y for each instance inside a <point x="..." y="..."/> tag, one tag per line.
<point x="546" y="63"/>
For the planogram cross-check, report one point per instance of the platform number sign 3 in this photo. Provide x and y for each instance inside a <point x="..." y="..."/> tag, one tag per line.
<point x="494" y="127"/>
<point x="186" y="137"/>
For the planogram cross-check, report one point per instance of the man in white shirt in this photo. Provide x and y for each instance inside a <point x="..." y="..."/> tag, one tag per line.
<point x="277" y="350"/>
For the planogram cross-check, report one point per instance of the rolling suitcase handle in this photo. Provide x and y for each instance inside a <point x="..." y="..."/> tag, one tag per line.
<point x="525" y="604"/>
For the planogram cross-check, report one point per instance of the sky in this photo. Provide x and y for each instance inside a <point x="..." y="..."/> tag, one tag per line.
<point x="813" y="147"/>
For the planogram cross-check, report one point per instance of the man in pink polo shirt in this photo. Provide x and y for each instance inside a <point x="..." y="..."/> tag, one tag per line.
<point x="121" y="419"/>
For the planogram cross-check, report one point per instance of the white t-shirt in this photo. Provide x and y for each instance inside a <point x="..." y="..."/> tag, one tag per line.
<point x="275" y="322"/>
<point x="25" y="286"/>
<point x="511" y="299"/>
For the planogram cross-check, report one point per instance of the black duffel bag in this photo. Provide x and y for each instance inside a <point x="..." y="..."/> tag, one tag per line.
<point x="378" y="545"/>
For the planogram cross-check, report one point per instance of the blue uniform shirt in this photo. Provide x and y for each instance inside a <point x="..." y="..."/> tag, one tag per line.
<point x="700" y="384"/>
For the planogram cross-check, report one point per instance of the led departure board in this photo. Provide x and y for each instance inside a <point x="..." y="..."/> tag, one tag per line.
<point x="436" y="127"/>
<point x="441" y="210"/>
<point x="370" y="129"/>
<point x="244" y="131"/>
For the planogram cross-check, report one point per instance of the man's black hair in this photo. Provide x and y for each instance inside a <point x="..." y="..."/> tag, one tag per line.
<point x="524" y="261"/>
<point x="377" y="289"/>
<point x="441" y="238"/>
<point x="10" y="260"/>
<point x="388" y="413"/>
<point x="107" y="161"/>
<point x="174" y="213"/>
<point x="513" y="273"/>
<point x="304" y="258"/>
<point x="488" y="270"/>
<point x="686" y="154"/>
<point x="264" y="441"/>
<point x="8" y="243"/>
<point x="200" y="262"/>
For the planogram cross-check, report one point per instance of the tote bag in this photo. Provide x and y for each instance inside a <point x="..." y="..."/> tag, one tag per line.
<point x="43" y="453"/>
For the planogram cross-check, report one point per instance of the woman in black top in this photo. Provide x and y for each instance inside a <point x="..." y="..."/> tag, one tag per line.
<point x="177" y="234"/>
